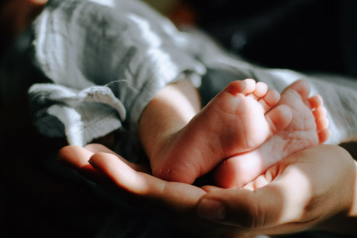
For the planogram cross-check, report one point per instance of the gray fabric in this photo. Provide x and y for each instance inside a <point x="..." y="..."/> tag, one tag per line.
<point x="134" y="52"/>
<point x="120" y="45"/>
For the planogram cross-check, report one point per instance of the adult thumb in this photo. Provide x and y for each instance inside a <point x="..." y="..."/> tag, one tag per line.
<point x="278" y="202"/>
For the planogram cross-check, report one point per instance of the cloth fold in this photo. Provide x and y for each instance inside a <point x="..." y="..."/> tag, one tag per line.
<point x="119" y="53"/>
<point x="79" y="115"/>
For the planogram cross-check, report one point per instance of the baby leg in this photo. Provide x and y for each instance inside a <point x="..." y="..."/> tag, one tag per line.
<point x="168" y="112"/>
<point x="237" y="120"/>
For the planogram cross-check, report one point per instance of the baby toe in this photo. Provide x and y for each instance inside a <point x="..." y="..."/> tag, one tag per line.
<point x="315" y="101"/>
<point x="249" y="186"/>
<point x="270" y="99"/>
<point x="322" y="123"/>
<point x="236" y="87"/>
<point x="260" y="182"/>
<point x="324" y="135"/>
<point x="260" y="90"/>
<point x="250" y="86"/>
<point x="320" y="112"/>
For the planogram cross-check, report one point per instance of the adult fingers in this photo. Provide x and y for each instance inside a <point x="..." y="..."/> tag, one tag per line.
<point x="301" y="190"/>
<point x="277" y="203"/>
<point x="152" y="192"/>
<point x="96" y="148"/>
<point x="77" y="158"/>
<point x="175" y="202"/>
<point x="103" y="167"/>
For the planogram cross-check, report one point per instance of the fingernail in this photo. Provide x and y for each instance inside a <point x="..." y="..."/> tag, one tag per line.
<point x="211" y="210"/>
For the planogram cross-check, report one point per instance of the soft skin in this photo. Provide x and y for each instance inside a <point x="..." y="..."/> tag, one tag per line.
<point x="314" y="189"/>
<point x="307" y="128"/>
<point x="184" y="143"/>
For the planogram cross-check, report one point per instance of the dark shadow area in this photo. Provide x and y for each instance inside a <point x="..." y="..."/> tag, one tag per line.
<point x="351" y="148"/>
<point x="305" y="35"/>
<point x="35" y="201"/>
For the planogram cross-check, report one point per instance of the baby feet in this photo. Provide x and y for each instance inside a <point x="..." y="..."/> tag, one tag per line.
<point x="307" y="128"/>
<point x="239" y="119"/>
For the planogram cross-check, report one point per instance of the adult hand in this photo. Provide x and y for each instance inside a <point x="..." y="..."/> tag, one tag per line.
<point x="313" y="189"/>
<point x="170" y="200"/>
